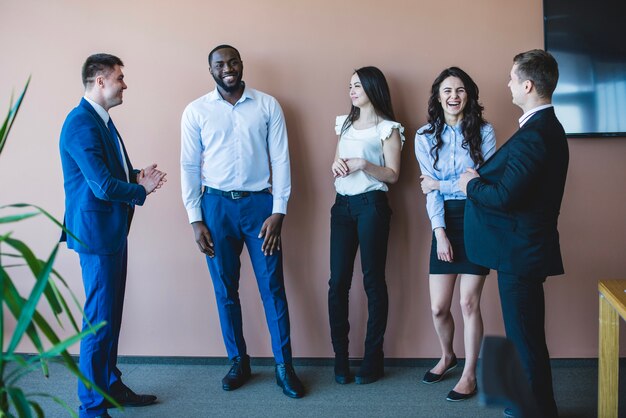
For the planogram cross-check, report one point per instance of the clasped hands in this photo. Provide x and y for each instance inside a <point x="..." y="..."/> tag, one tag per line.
<point x="151" y="179"/>
<point x="344" y="166"/>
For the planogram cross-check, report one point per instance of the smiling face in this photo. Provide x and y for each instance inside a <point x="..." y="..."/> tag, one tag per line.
<point x="227" y="69"/>
<point x="111" y="87"/>
<point x="453" y="98"/>
<point x="357" y="93"/>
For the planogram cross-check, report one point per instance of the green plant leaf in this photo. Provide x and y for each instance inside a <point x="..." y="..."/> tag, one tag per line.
<point x="26" y="315"/>
<point x="58" y="401"/>
<point x="15" y="302"/>
<point x="63" y="345"/>
<point x="47" y="215"/>
<point x="20" y="402"/>
<point x="36" y="266"/>
<point x="17" y="218"/>
<point x="3" y="277"/>
<point x="57" y="293"/>
<point x="38" y="410"/>
<point x="10" y="118"/>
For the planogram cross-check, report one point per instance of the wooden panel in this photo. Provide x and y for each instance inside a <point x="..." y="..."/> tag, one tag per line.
<point x="608" y="360"/>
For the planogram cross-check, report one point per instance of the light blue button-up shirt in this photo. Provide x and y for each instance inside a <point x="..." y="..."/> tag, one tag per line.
<point x="234" y="147"/>
<point x="453" y="161"/>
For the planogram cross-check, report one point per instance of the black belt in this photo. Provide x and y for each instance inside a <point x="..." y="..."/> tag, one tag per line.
<point x="235" y="194"/>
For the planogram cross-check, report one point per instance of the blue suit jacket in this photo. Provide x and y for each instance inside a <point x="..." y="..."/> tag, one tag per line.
<point x="99" y="201"/>
<point x="512" y="209"/>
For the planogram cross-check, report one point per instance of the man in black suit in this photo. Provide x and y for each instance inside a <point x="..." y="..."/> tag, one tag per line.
<point x="511" y="216"/>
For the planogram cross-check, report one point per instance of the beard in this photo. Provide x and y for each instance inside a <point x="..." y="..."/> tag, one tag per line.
<point x="230" y="89"/>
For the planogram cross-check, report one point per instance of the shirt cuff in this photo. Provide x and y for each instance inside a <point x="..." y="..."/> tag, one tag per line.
<point x="438" y="222"/>
<point x="194" y="214"/>
<point x="445" y="187"/>
<point x="279" y="206"/>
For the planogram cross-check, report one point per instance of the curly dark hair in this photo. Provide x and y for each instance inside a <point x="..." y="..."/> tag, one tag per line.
<point x="377" y="90"/>
<point x="471" y="123"/>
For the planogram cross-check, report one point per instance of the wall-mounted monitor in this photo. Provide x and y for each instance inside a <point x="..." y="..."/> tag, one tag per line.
<point x="588" y="39"/>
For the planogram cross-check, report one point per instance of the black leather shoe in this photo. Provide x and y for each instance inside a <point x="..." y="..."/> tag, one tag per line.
<point x="238" y="374"/>
<point x="454" y="396"/>
<point x="342" y="370"/>
<point x="430" y="378"/>
<point x="126" y="397"/>
<point x="286" y="378"/>
<point x="372" y="368"/>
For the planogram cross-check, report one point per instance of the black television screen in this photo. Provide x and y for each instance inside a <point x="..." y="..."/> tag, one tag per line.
<point x="589" y="42"/>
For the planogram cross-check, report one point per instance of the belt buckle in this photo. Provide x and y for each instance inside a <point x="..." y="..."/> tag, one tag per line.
<point x="236" y="195"/>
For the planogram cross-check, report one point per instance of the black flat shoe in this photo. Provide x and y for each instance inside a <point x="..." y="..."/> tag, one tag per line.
<point x="430" y="378"/>
<point x="454" y="396"/>
<point x="238" y="374"/>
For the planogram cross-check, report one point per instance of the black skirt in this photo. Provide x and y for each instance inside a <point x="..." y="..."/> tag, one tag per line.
<point x="454" y="215"/>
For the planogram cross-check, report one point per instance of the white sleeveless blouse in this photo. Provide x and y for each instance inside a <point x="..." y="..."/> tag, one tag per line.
<point x="366" y="144"/>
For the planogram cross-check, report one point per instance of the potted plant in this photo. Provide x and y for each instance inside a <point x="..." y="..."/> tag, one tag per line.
<point x="29" y="322"/>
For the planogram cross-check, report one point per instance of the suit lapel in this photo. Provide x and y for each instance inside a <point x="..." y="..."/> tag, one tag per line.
<point x="108" y="135"/>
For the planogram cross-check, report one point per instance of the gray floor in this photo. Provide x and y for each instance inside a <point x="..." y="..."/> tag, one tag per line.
<point x="193" y="389"/>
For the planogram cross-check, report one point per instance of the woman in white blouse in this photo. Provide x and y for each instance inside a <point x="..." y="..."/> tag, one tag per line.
<point x="455" y="138"/>
<point x="366" y="161"/>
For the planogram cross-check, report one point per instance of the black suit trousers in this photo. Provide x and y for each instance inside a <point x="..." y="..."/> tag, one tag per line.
<point x="523" y="310"/>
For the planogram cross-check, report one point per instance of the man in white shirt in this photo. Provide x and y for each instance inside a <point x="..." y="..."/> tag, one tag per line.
<point x="232" y="140"/>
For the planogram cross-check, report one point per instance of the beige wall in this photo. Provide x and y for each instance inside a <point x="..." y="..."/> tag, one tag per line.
<point x="303" y="54"/>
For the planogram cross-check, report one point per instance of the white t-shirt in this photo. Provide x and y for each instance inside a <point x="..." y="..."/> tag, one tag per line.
<point x="366" y="144"/>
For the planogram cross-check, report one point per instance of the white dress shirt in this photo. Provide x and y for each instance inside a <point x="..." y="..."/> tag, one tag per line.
<point x="234" y="148"/>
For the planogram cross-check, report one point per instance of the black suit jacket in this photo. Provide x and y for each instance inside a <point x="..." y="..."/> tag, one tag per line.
<point x="512" y="209"/>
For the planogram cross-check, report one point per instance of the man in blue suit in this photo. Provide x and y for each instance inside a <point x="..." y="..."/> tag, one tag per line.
<point x="101" y="190"/>
<point x="513" y="204"/>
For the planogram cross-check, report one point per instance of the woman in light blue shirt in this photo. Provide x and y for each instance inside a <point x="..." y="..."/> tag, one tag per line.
<point x="455" y="138"/>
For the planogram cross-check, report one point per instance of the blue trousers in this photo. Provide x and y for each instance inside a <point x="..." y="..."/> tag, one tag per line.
<point x="104" y="279"/>
<point x="233" y="223"/>
<point x="523" y="311"/>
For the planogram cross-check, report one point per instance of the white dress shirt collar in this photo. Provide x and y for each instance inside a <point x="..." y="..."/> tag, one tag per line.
<point x="531" y="112"/>
<point x="99" y="110"/>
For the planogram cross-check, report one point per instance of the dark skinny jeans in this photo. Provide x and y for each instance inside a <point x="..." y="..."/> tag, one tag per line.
<point x="360" y="220"/>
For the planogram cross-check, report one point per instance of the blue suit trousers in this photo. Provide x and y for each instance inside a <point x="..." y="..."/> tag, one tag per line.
<point x="104" y="279"/>
<point x="233" y="223"/>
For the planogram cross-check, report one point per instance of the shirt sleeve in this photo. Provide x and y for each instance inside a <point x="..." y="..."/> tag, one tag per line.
<point x="434" y="199"/>
<point x="191" y="165"/>
<point x="488" y="146"/>
<point x="279" y="159"/>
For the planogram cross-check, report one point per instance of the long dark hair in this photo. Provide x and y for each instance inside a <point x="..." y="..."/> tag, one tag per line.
<point x="375" y="86"/>
<point x="471" y="123"/>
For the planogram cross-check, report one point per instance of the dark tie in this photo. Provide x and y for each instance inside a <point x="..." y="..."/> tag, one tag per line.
<point x="117" y="142"/>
